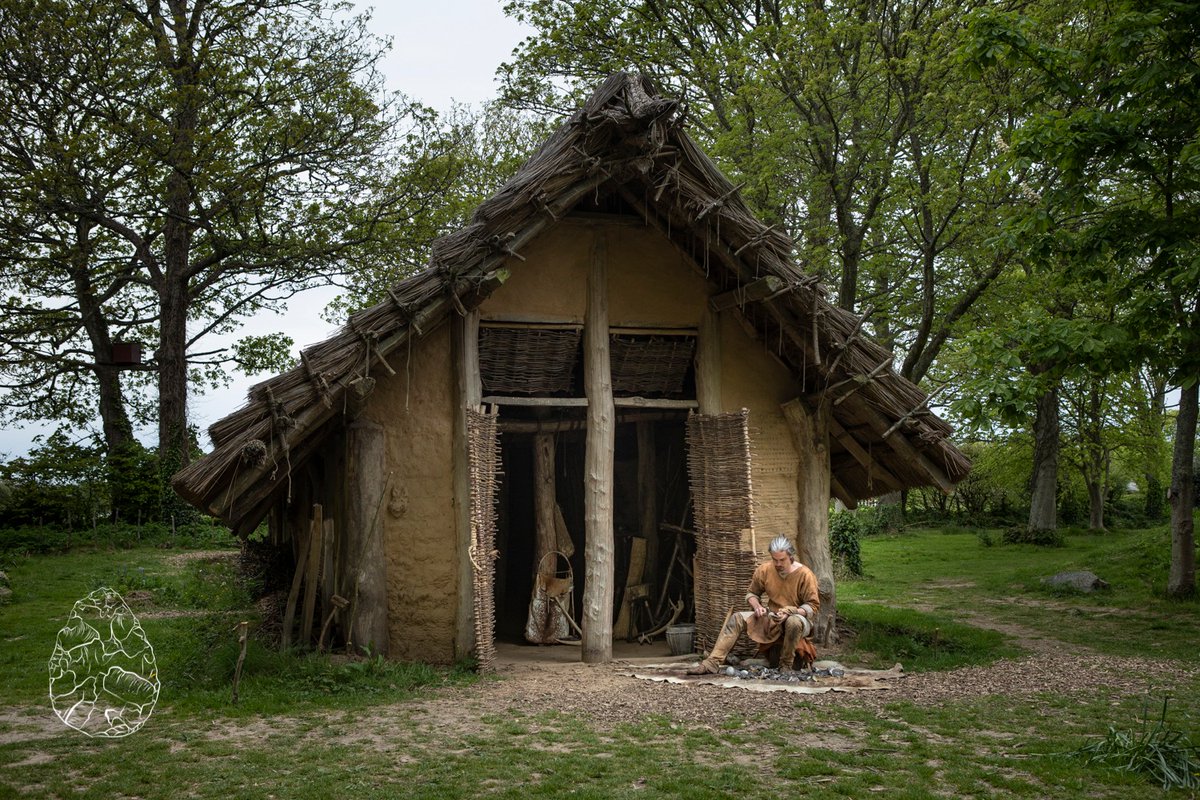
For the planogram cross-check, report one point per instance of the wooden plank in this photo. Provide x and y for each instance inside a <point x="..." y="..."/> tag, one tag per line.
<point x="598" y="460"/>
<point x="531" y="325"/>
<point x="536" y="402"/>
<point x="647" y="478"/>
<point x="873" y="466"/>
<point x="651" y="331"/>
<point x="289" y="613"/>
<point x="316" y="537"/>
<point x="840" y="492"/>
<point x="653" y="402"/>
<point x="367" y="479"/>
<point x="752" y="292"/>
<point x="637" y="564"/>
<point x="905" y="449"/>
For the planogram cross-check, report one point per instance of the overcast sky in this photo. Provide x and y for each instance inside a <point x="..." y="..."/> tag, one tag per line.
<point x="443" y="52"/>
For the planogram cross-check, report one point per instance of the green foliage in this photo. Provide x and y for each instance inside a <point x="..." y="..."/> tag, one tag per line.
<point x="1043" y="537"/>
<point x="37" y="540"/>
<point x="59" y="483"/>
<point x="1161" y="752"/>
<point x="919" y="641"/>
<point x="843" y="543"/>
<point x="847" y="526"/>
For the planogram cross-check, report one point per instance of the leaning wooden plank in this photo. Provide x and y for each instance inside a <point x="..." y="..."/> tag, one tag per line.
<point x="315" y="538"/>
<point x="289" y="614"/>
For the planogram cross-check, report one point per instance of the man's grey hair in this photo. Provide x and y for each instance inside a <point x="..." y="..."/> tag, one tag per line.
<point x="782" y="544"/>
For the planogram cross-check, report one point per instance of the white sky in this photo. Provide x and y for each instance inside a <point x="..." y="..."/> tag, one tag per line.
<point x="443" y="52"/>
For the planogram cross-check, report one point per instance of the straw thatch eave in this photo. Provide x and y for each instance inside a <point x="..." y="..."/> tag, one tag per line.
<point x="625" y="142"/>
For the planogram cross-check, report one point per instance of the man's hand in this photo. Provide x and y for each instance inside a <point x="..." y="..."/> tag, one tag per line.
<point x="761" y="610"/>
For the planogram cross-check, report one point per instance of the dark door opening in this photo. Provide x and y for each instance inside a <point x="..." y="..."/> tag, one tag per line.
<point x="653" y="550"/>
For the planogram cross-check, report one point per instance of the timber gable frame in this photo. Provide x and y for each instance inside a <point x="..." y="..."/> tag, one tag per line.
<point x="625" y="143"/>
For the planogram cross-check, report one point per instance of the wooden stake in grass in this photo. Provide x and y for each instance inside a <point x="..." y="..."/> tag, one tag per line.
<point x="243" y="629"/>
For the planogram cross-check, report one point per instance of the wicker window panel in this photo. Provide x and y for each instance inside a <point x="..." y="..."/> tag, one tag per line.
<point x="650" y="365"/>
<point x="527" y="360"/>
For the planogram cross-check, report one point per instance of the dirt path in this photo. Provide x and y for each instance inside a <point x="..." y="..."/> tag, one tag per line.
<point x="531" y="680"/>
<point x="542" y="679"/>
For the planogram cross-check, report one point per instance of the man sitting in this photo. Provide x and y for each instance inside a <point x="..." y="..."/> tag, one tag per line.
<point x="791" y="603"/>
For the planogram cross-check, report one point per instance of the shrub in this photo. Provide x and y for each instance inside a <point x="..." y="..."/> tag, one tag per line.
<point x="1044" y="537"/>
<point x="843" y="543"/>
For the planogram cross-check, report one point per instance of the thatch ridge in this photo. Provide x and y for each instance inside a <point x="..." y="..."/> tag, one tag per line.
<point x="626" y="140"/>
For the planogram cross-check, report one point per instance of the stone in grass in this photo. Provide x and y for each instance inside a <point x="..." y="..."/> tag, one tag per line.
<point x="3" y="578"/>
<point x="1082" y="581"/>
<point x="5" y="595"/>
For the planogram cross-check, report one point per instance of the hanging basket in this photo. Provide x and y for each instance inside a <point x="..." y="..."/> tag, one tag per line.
<point x="550" y="606"/>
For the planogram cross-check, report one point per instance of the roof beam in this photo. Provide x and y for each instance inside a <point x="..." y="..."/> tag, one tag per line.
<point x="905" y="449"/>
<point x="859" y="406"/>
<point x="871" y="465"/>
<point x="752" y="292"/>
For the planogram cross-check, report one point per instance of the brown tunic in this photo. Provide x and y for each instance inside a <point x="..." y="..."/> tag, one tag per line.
<point x="784" y="593"/>
<point x="788" y="592"/>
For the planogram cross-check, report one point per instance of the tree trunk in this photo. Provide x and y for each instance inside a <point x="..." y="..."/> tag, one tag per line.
<point x="1044" y="482"/>
<point x="173" y="448"/>
<point x="597" y="611"/>
<point x="114" y="419"/>
<point x="810" y="434"/>
<point x="1091" y="430"/>
<point x="1181" y="581"/>
<point x="173" y="277"/>
<point x="1095" y="490"/>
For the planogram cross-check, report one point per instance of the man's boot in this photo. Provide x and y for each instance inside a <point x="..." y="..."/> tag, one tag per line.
<point x="734" y="626"/>
<point x="795" y="628"/>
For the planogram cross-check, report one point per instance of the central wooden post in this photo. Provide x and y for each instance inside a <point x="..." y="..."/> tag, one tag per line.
<point x="598" y="473"/>
<point x="810" y="434"/>
<point x="469" y="390"/>
<point x="544" y="503"/>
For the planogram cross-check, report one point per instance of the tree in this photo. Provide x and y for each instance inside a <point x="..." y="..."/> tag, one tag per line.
<point x="462" y="158"/>
<point x="1121" y="126"/>
<point x="847" y="124"/>
<point x="196" y="162"/>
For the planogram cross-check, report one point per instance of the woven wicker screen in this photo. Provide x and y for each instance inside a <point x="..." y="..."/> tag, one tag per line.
<point x="723" y="501"/>
<point x="655" y="365"/>
<point x="483" y="454"/>
<point x="527" y="360"/>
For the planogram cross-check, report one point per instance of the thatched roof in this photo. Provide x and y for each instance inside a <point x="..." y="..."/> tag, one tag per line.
<point x="625" y="143"/>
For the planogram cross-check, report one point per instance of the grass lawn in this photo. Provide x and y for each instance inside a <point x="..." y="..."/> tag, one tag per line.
<point x="312" y="727"/>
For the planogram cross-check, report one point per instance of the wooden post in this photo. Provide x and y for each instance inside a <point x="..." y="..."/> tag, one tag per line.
<point x="648" y="498"/>
<point x="366" y="579"/>
<point x="465" y="350"/>
<point x="810" y="434"/>
<point x="243" y="636"/>
<point x="598" y="473"/>
<point x="708" y="362"/>
<point x="544" y="502"/>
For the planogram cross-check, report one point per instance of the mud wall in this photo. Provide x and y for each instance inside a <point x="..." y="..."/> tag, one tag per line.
<point x="651" y="285"/>
<point x="416" y="407"/>
<point x="752" y="378"/>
